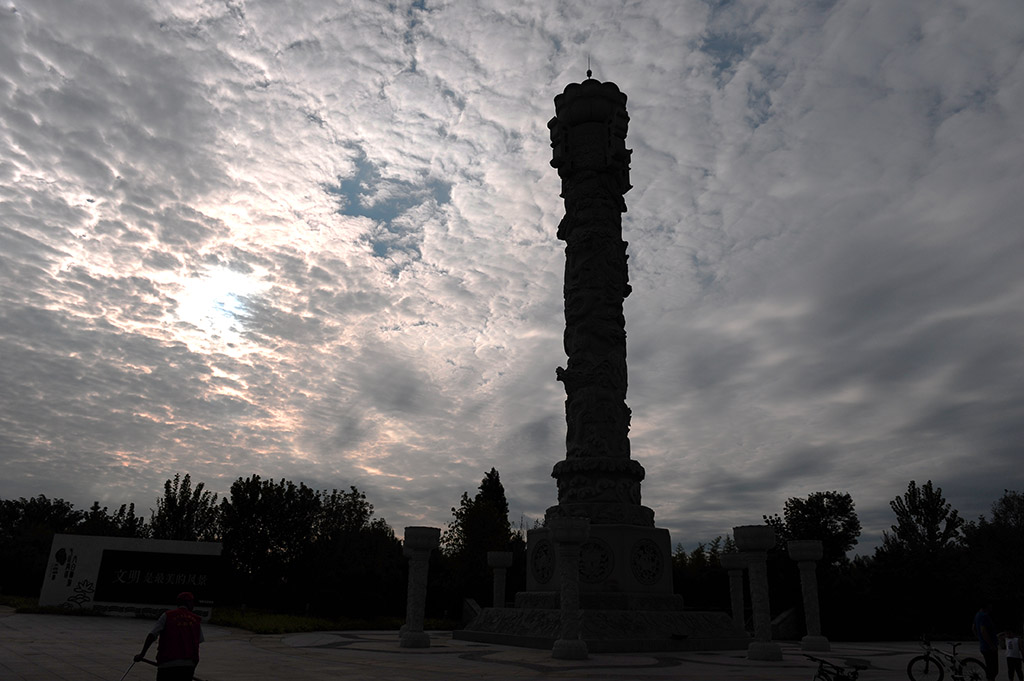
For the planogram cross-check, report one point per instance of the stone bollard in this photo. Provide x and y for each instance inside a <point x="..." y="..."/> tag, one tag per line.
<point x="734" y="564"/>
<point x="754" y="541"/>
<point x="568" y="534"/>
<point x="500" y="562"/>
<point x="419" y="542"/>
<point x="807" y="552"/>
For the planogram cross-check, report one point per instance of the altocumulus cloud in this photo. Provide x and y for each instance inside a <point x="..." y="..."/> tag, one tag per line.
<point x="316" y="240"/>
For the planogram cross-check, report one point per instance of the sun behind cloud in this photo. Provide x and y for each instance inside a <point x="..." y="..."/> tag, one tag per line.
<point x="214" y="303"/>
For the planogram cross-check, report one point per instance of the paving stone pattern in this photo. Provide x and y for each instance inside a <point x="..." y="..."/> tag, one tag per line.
<point x="59" y="648"/>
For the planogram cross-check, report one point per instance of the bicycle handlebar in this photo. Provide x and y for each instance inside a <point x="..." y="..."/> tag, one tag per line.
<point x="851" y="663"/>
<point x="831" y="664"/>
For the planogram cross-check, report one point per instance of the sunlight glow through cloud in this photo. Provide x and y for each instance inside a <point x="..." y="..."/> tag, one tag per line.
<point x="215" y="302"/>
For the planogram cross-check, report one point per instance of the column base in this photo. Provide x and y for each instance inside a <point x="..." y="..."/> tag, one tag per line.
<point x="767" y="651"/>
<point x="414" y="639"/>
<point x="569" y="649"/>
<point x="608" y="631"/>
<point x="818" y="644"/>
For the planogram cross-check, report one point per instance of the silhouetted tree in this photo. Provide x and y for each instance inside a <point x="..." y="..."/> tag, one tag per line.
<point x="302" y="549"/>
<point x="343" y="513"/>
<point x="267" y="527"/>
<point x="122" y="523"/>
<point x="827" y="516"/>
<point x="921" y="557"/>
<point x="1008" y="512"/>
<point x="994" y="554"/>
<point x="27" y="527"/>
<point x="479" y="524"/>
<point x="359" y="572"/>
<point x="699" y="576"/>
<point x="185" y="513"/>
<point x="355" y="563"/>
<point x="926" y="526"/>
<point x="849" y="608"/>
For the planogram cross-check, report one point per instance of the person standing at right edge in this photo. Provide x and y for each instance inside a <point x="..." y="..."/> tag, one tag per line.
<point x="1013" y="656"/>
<point x="988" y="643"/>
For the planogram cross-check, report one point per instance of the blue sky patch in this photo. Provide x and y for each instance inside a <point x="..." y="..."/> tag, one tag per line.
<point x="368" y="193"/>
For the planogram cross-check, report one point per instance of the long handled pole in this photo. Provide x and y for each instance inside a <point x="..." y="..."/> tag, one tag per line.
<point x="194" y="678"/>
<point x="128" y="670"/>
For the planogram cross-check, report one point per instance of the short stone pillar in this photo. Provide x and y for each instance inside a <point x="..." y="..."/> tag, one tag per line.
<point x="568" y="534"/>
<point x="500" y="562"/>
<point x="419" y="542"/>
<point x="807" y="553"/>
<point x="754" y="541"/>
<point x="734" y="565"/>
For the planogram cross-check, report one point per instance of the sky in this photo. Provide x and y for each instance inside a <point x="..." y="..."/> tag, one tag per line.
<point x="316" y="240"/>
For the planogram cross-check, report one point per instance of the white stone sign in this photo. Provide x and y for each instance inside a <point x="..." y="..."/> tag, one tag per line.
<point x="126" y="576"/>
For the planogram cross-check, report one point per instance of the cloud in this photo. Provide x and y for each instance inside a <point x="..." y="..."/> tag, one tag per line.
<point x="318" y="242"/>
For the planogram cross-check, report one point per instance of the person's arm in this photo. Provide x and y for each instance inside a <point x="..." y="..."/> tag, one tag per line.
<point x="152" y="636"/>
<point x="145" y="646"/>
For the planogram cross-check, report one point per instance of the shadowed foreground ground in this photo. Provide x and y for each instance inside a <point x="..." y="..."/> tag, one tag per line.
<point x="56" y="648"/>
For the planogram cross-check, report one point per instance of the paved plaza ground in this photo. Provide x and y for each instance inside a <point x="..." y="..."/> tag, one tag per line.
<point x="61" y="648"/>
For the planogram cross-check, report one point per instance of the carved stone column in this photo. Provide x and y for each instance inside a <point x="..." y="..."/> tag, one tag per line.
<point x="500" y="562"/>
<point x="568" y="534"/>
<point x="734" y="564"/>
<point x="419" y="542"/>
<point x="597" y="479"/>
<point x="807" y="552"/>
<point x="624" y="580"/>
<point x="754" y="541"/>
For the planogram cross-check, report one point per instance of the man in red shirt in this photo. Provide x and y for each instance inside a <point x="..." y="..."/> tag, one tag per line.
<point x="180" y="633"/>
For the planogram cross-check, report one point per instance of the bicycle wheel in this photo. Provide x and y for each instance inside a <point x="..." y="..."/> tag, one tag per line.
<point x="973" y="668"/>
<point x="924" y="668"/>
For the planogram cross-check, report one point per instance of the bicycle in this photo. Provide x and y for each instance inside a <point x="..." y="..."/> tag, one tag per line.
<point x="830" y="671"/>
<point x="930" y="666"/>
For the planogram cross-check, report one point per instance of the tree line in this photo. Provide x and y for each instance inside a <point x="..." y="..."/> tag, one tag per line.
<point x="932" y="571"/>
<point x="291" y="548"/>
<point x="287" y="547"/>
